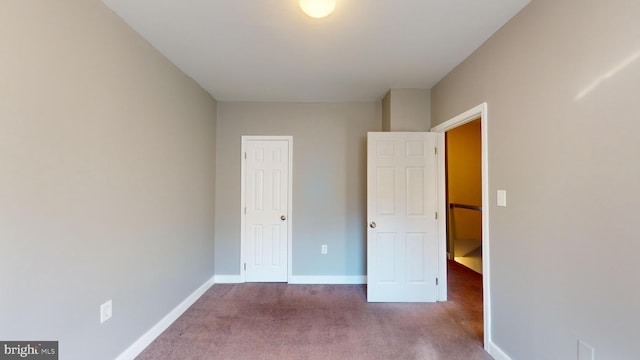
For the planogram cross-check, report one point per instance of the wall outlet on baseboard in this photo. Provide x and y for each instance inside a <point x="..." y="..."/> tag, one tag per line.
<point x="106" y="311"/>
<point x="323" y="249"/>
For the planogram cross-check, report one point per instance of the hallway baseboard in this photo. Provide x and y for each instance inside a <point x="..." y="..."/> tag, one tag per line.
<point x="147" y="338"/>
<point x="328" y="279"/>
<point x="304" y="279"/>
<point x="228" y="279"/>
<point x="497" y="352"/>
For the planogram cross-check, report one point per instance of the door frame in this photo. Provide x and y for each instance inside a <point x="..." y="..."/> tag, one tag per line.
<point x="243" y="165"/>
<point x="474" y="113"/>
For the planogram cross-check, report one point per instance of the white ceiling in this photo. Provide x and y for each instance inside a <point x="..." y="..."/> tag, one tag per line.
<point x="268" y="50"/>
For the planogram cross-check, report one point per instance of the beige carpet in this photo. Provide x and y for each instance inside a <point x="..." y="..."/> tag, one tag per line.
<point x="279" y="321"/>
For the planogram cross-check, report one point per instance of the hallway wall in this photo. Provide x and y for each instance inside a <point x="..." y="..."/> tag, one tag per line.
<point x="561" y="81"/>
<point x="329" y="181"/>
<point x="464" y="177"/>
<point x="107" y="153"/>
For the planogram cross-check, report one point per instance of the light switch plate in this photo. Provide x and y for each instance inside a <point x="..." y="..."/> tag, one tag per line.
<point x="106" y="311"/>
<point x="502" y="198"/>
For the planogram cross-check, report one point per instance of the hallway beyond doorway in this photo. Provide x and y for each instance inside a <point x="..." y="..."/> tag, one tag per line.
<point x="464" y="194"/>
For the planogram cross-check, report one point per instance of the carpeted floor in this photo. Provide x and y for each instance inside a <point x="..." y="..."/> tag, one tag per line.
<point x="280" y="321"/>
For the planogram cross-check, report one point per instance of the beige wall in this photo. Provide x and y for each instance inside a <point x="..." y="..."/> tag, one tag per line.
<point x="406" y="110"/>
<point x="329" y="180"/>
<point x="386" y="112"/>
<point x="108" y="172"/>
<point x="464" y="178"/>
<point x="561" y="81"/>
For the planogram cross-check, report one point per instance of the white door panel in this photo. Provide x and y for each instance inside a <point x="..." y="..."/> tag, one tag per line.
<point x="266" y="215"/>
<point x="402" y="237"/>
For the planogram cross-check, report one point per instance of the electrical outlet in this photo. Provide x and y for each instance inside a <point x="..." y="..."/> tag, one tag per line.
<point x="323" y="249"/>
<point x="106" y="311"/>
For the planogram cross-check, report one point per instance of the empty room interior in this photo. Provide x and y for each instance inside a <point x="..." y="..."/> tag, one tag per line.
<point x="165" y="162"/>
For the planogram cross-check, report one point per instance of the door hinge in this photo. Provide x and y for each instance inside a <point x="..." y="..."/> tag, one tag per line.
<point x="245" y="155"/>
<point x="245" y="266"/>
<point x="436" y="281"/>
<point x="436" y="215"/>
<point x="245" y="211"/>
<point x="435" y="151"/>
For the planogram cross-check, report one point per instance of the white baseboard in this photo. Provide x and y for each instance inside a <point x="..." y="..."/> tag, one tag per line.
<point x="147" y="338"/>
<point x="228" y="279"/>
<point x="302" y="279"/>
<point x="330" y="279"/>
<point x="496" y="352"/>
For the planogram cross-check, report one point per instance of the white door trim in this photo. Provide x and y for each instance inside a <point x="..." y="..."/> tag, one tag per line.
<point x="479" y="111"/>
<point x="289" y="140"/>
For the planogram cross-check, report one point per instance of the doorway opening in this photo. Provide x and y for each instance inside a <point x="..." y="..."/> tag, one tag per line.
<point x="463" y="164"/>
<point x="463" y="168"/>
<point x="466" y="210"/>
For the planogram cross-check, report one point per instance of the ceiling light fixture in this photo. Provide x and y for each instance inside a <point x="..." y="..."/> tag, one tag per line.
<point x="318" y="8"/>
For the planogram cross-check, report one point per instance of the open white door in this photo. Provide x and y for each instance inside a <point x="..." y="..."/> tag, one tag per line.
<point x="402" y="237"/>
<point x="266" y="223"/>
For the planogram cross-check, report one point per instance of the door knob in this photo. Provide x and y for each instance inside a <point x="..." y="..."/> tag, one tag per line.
<point x="372" y="225"/>
<point x="283" y="218"/>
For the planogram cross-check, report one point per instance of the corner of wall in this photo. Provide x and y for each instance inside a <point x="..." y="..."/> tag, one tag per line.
<point x="386" y="112"/>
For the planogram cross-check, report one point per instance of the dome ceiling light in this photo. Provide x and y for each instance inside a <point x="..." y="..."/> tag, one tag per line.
<point x="318" y="8"/>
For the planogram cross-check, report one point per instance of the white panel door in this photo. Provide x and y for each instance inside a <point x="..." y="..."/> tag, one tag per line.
<point x="402" y="236"/>
<point x="266" y="189"/>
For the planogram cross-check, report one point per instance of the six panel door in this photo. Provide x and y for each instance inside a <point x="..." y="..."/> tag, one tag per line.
<point x="266" y="192"/>
<point x="402" y="246"/>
